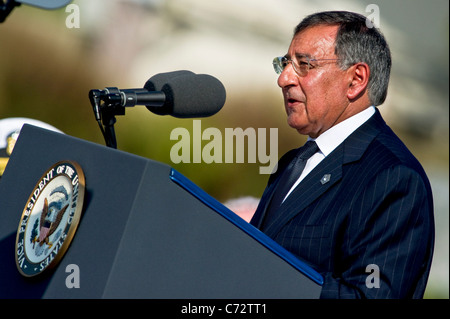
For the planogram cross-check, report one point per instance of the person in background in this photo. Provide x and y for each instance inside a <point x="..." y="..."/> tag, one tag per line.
<point x="9" y="132"/>
<point x="244" y="207"/>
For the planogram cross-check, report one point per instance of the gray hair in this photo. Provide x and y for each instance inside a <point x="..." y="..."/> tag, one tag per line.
<point x="356" y="42"/>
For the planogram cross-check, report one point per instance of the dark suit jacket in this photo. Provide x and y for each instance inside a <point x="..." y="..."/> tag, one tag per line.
<point x="376" y="209"/>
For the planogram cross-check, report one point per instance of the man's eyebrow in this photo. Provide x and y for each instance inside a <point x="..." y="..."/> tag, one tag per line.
<point x="303" y="55"/>
<point x="299" y="55"/>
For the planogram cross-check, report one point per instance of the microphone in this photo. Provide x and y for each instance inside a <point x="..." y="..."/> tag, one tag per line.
<point x="182" y="94"/>
<point x="156" y="82"/>
<point x="151" y="95"/>
<point x="189" y="95"/>
<point x="132" y="97"/>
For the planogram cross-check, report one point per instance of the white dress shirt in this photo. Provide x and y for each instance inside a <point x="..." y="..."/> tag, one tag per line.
<point x="331" y="139"/>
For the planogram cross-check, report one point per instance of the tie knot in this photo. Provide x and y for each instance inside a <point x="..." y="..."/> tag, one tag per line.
<point x="308" y="150"/>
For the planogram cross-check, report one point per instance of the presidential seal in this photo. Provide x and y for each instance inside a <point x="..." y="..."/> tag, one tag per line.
<point x="50" y="218"/>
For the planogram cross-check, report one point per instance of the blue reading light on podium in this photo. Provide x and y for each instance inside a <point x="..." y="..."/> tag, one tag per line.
<point x="7" y="6"/>
<point x="45" y="4"/>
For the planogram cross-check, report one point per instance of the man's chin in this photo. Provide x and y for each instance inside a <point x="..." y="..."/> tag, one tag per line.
<point x="303" y="130"/>
<point x="299" y="127"/>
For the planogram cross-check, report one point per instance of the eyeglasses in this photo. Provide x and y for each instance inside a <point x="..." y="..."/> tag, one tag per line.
<point x="301" y="67"/>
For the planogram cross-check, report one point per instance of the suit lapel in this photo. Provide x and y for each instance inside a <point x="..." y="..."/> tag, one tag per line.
<point x="325" y="175"/>
<point x="267" y="195"/>
<point x="307" y="191"/>
<point x="261" y="210"/>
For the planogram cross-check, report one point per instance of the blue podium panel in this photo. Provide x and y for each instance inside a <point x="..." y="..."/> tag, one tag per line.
<point x="146" y="232"/>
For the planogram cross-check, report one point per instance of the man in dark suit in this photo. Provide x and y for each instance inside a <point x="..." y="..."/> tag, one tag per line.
<point x="361" y="211"/>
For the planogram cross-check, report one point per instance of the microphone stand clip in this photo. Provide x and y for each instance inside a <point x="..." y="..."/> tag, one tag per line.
<point x="106" y="105"/>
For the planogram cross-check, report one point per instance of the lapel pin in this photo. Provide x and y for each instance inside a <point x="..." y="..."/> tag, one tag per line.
<point x="325" y="179"/>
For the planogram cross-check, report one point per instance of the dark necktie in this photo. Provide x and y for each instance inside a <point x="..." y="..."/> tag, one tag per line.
<point x="290" y="176"/>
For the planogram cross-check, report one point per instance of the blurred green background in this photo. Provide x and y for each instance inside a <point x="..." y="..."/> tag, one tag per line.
<point x="48" y="68"/>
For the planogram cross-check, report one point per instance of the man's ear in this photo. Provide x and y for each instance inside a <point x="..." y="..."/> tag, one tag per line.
<point x="359" y="73"/>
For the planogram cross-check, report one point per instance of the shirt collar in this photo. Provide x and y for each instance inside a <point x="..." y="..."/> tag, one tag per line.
<point x="335" y="135"/>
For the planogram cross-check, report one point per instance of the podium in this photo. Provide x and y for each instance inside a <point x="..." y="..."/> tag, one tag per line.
<point x="146" y="231"/>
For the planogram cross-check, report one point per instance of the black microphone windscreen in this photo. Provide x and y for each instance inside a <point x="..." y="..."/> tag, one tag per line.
<point x="156" y="82"/>
<point x="193" y="95"/>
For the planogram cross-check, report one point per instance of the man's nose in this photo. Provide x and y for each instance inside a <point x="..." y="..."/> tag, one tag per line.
<point x="288" y="77"/>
